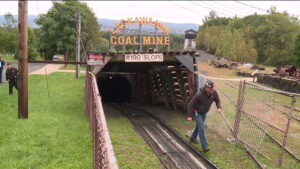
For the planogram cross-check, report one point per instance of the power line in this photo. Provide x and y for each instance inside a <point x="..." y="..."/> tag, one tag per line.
<point x="229" y="12"/>
<point x="183" y="7"/>
<point x="240" y="7"/>
<point x="235" y="9"/>
<point x="251" y="6"/>
<point x="208" y="8"/>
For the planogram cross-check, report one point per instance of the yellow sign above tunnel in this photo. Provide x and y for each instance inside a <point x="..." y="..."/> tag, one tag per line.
<point x="130" y="39"/>
<point x="153" y="57"/>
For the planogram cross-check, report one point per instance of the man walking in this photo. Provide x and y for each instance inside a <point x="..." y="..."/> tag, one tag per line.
<point x="198" y="107"/>
<point x="11" y="77"/>
<point x="2" y="63"/>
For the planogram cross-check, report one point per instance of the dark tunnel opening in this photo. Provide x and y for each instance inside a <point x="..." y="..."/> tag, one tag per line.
<point x="114" y="88"/>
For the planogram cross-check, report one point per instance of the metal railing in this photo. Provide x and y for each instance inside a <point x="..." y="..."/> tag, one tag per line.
<point x="103" y="153"/>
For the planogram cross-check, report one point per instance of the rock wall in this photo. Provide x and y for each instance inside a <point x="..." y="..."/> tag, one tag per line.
<point x="285" y="84"/>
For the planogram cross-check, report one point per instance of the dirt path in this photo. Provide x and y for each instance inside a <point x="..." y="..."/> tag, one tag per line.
<point x="50" y="68"/>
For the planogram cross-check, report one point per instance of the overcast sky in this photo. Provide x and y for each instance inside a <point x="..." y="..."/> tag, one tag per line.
<point x="165" y="11"/>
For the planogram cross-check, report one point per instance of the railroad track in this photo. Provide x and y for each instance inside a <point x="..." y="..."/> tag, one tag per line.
<point x="172" y="150"/>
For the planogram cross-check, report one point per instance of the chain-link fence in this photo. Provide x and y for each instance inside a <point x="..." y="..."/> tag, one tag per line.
<point x="228" y="92"/>
<point x="264" y="122"/>
<point x="103" y="153"/>
<point x="268" y="122"/>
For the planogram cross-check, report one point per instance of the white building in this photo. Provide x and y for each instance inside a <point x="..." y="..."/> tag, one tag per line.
<point x="189" y="42"/>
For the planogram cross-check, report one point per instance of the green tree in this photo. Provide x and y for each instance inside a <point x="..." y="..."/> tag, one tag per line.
<point x="176" y="42"/>
<point x="57" y="32"/>
<point x="9" y="38"/>
<point x="9" y="21"/>
<point x="213" y="20"/>
<point x="295" y="58"/>
<point x="280" y="32"/>
<point x="9" y="35"/>
<point x="267" y="39"/>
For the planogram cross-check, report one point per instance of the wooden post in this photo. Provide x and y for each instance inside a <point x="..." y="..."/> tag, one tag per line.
<point x="171" y="87"/>
<point x="238" y="108"/>
<point x="78" y="45"/>
<point x="156" y="45"/>
<point x="124" y="35"/>
<point x="66" y="58"/>
<point x="23" y="60"/>
<point x="141" y="41"/>
<point x="153" y="93"/>
<point x="182" y="87"/>
<point x="149" y="87"/>
<point x="164" y="87"/>
<point x="196" y="79"/>
<point x="110" y="45"/>
<point x="169" y="46"/>
<point x="191" y="85"/>
<point x="286" y="131"/>
<point x="46" y="76"/>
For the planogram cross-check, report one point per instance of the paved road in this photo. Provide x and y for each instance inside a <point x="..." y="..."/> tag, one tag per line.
<point x="204" y="57"/>
<point x="31" y="67"/>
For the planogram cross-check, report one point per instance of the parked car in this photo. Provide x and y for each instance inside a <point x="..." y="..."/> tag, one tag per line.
<point x="58" y="57"/>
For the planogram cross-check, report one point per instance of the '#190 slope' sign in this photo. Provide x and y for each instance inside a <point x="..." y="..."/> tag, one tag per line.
<point x="153" y="57"/>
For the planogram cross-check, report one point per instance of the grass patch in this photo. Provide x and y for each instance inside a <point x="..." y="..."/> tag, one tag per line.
<point x="223" y="154"/>
<point x="13" y="59"/>
<point x="256" y="102"/>
<point x="72" y="67"/>
<point x="9" y="58"/>
<point x="130" y="148"/>
<point x="56" y="134"/>
<point x="210" y="70"/>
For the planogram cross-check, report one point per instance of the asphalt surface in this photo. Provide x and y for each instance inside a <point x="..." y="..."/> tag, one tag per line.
<point x="31" y="67"/>
<point x="204" y="57"/>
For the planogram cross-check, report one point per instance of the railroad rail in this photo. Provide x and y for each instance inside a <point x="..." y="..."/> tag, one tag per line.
<point x="172" y="150"/>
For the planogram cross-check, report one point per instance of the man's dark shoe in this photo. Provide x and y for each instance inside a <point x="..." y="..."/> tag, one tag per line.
<point x="194" y="141"/>
<point x="206" y="149"/>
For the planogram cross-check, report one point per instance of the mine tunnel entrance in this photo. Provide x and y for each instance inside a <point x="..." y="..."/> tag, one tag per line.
<point x="114" y="87"/>
<point x="126" y="82"/>
<point x="170" y="82"/>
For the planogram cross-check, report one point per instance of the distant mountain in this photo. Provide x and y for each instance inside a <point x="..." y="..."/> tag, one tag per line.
<point x="176" y="28"/>
<point x="31" y="19"/>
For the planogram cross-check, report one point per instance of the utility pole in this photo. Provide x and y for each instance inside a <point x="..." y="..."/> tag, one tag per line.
<point x="23" y="60"/>
<point x="78" y="45"/>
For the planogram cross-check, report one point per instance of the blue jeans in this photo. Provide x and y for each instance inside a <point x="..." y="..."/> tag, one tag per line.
<point x="200" y="118"/>
<point x="1" y="70"/>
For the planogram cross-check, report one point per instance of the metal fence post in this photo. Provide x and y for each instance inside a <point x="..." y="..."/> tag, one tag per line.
<point x="238" y="108"/>
<point x="286" y="131"/>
